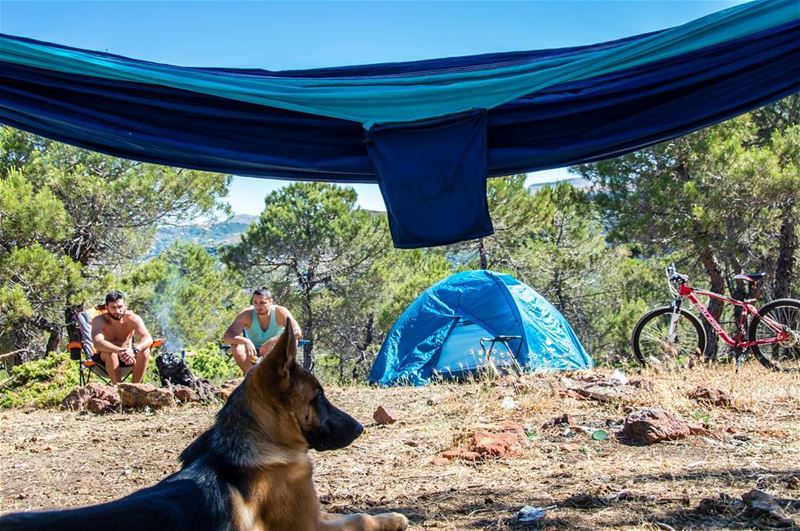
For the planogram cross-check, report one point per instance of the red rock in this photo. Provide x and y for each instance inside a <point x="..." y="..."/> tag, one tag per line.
<point x="93" y="397"/>
<point x="490" y="441"/>
<point x="185" y="394"/>
<point x="712" y="396"/>
<point x="461" y="453"/>
<point x="496" y="445"/>
<point x="228" y="387"/>
<point x="144" y="395"/>
<point x="651" y="425"/>
<point x="384" y="416"/>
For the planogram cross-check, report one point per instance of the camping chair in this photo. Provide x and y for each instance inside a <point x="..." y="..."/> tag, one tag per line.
<point x="492" y="341"/>
<point x="81" y="349"/>
<point x="88" y="364"/>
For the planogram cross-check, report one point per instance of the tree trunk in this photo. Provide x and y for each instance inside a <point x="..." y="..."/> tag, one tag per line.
<point x="369" y="329"/>
<point x="71" y="319"/>
<point x="368" y="332"/>
<point x="787" y="245"/>
<point x="308" y="332"/>
<point x="714" y="306"/>
<point x="482" y="254"/>
<point x="52" y="328"/>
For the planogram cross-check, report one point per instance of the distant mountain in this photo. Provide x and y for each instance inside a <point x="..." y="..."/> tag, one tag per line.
<point x="209" y="236"/>
<point x="578" y="182"/>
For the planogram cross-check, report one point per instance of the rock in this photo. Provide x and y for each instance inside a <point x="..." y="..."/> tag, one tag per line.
<point x="93" y="397"/>
<point x="620" y="377"/>
<point x="565" y="419"/>
<point x="712" y="396"/>
<point x="596" y="387"/>
<point x="228" y="387"/>
<point x="763" y="505"/>
<point x="496" y="445"/>
<point x="184" y="393"/>
<point x="145" y="395"/>
<point x="569" y="393"/>
<point x="584" y="500"/>
<point x="651" y="425"/>
<point x="98" y="406"/>
<point x="205" y="389"/>
<point x="384" y="416"/>
<point x="461" y="453"/>
<point x="490" y="442"/>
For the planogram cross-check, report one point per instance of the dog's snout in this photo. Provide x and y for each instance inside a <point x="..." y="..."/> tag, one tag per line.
<point x="336" y="429"/>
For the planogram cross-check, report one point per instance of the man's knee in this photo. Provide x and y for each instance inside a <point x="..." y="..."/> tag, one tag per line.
<point x="239" y="352"/>
<point x="143" y="356"/>
<point x="109" y="358"/>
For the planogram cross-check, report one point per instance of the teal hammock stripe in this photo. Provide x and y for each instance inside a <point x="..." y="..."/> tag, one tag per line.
<point x="412" y="97"/>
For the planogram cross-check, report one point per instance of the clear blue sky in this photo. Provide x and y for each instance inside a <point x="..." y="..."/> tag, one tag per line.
<point x="297" y="34"/>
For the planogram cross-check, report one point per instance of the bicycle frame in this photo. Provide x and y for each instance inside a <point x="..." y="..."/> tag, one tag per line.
<point x="740" y="341"/>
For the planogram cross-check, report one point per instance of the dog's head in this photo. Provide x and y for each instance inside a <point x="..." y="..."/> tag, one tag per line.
<point x="323" y="425"/>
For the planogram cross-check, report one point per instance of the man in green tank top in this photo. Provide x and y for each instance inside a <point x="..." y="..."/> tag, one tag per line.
<point x="256" y="329"/>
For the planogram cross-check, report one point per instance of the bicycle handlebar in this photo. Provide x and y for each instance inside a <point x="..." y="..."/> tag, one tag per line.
<point x="680" y="279"/>
<point x="673" y="278"/>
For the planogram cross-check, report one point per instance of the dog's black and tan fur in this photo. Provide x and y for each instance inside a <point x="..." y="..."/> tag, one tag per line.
<point x="249" y="472"/>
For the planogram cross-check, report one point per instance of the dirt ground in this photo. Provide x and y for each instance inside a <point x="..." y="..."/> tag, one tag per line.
<point x="54" y="458"/>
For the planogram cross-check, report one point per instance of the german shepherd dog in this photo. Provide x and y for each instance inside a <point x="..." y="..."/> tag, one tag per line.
<point x="249" y="472"/>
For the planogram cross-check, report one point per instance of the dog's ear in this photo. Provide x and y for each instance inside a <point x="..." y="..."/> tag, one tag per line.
<point x="283" y="356"/>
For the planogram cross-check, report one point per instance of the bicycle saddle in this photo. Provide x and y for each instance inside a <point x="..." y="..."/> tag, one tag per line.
<point x="750" y="277"/>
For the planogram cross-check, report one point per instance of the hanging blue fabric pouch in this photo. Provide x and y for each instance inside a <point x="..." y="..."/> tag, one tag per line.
<point x="432" y="175"/>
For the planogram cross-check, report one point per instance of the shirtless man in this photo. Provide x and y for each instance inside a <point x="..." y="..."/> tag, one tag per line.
<point x="112" y="333"/>
<point x="256" y="329"/>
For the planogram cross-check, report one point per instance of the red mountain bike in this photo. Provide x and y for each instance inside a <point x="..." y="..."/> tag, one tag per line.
<point x="671" y="334"/>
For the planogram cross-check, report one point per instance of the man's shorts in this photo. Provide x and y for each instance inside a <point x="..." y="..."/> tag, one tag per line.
<point x="97" y="359"/>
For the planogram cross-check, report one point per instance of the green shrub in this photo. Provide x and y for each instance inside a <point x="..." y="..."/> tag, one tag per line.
<point x="210" y="363"/>
<point x="41" y="383"/>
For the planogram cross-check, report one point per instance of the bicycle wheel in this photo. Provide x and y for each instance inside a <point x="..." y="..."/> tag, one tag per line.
<point x="778" y="356"/>
<point x="652" y="345"/>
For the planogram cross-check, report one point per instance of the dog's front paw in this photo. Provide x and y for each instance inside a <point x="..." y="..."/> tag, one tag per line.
<point x="392" y="521"/>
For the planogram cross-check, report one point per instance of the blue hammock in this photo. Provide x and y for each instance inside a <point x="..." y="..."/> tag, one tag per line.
<point x="539" y="110"/>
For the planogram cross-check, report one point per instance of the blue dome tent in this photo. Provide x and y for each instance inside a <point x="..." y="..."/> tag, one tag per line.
<point x="440" y="332"/>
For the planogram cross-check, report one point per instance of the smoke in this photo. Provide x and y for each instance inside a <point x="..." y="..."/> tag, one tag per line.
<point x="163" y="310"/>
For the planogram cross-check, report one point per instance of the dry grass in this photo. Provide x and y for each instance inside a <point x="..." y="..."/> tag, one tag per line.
<point x="54" y="458"/>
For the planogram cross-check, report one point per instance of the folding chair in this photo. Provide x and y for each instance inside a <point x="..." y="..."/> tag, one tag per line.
<point x="84" y="353"/>
<point x="492" y="341"/>
<point x="91" y="364"/>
